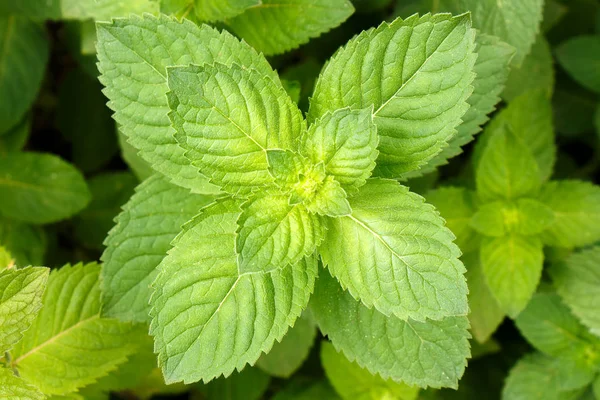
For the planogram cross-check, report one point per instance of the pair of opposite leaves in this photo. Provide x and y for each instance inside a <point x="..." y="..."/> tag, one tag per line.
<point x="249" y="145"/>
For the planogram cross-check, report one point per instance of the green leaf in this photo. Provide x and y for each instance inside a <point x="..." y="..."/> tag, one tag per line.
<point x="550" y="327"/>
<point x="529" y="116"/>
<point x="596" y="387"/>
<point x="577" y="280"/>
<point x="288" y="355"/>
<point x="40" y="188"/>
<point x="20" y="300"/>
<point x="276" y="26"/>
<point x="208" y="318"/>
<point x="431" y="353"/>
<point x="355" y="383"/>
<point x="218" y="10"/>
<point x="393" y="252"/>
<point x="138" y="243"/>
<point x="14" y="388"/>
<point x="69" y="345"/>
<point x="303" y="389"/>
<point x="479" y="350"/>
<point x="524" y="216"/>
<point x="506" y="170"/>
<point x="109" y="192"/>
<point x="23" y="58"/>
<point x="35" y="9"/>
<point x="293" y="89"/>
<point x="514" y="21"/>
<point x="538" y="377"/>
<point x="26" y="243"/>
<point x="82" y="108"/>
<point x="272" y="233"/>
<point x="129" y="374"/>
<point x="346" y="142"/>
<point x="213" y="110"/>
<point x="554" y="11"/>
<point x="329" y="200"/>
<point x="133" y="56"/>
<point x="485" y="315"/>
<point x="138" y="166"/>
<point x="512" y="266"/>
<point x="491" y="69"/>
<point x="576" y="207"/>
<point x="579" y="56"/>
<point x="248" y="384"/>
<point x="105" y="10"/>
<point x="457" y="206"/>
<point x="416" y="73"/>
<point x="15" y="138"/>
<point x="285" y="166"/>
<point x="6" y="259"/>
<point x="536" y="72"/>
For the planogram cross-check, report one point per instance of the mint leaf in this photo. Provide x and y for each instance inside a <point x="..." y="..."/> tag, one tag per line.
<point x="53" y="188"/>
<point x="536" y="72"/>
<point x="109" y="192"/>
<point x="138" y="166"/>
<point x="577" y="280"/>
<point x="491" y="71"/>
<point x="15" y="388"/>
<point x="35" y="9"/>
<point x="506" y="170"/>
<point x="329" y="200"/>
<point x="539" y="377"/>
<point x="6" y="260"/>
<point x="485" y="314"/>
<point x="248" y="384"/>
<point x="208" y="318"/>
<point x="346" y="142"/>
<point x="524" y="217"/>
<point x="20" y="299"/>
<point x="288" y="355"/>
<point x="133" y="56"/>
<point x="272" y="234"/>
<point x="285" y="166"/>
<point x="212" y="111"/>
<point x="576" y="207"/>
<point x="26" y="243"/>
<point x="393" y="252"/>
<point x="401" y="69"/>
<point x="530" y="118"/>
<point x="16" y="137"/>
<point x="579" y="56"/>
<point x="489" y="218"/>
<point x="218" y="10"/>
<point x="430" y="353"/>
<point x="105" y="9"/>
<point x="512" y="266"/>
<point x="131" y="373"/>
<point x="69" y="345"/>
<point x="23" y="57"/>
<point x="138" y="243"/>
<point x="305" y="389"/>
<point x="550" y="327"/>
<point x="457" y="206"/>
<point x="355" y="383"/>
<point x="276" y="26"/>
<point x="514" y="21"/>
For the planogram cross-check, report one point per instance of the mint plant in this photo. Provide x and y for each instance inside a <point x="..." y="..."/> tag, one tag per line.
<point x="279" y="200"/>
<point x="288" y="189"/>
<point x="515" y="210"/>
